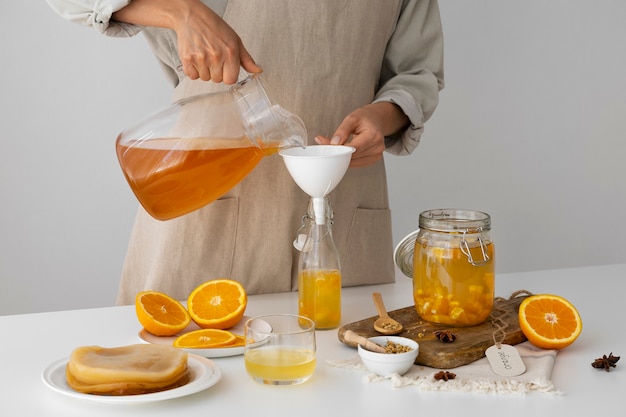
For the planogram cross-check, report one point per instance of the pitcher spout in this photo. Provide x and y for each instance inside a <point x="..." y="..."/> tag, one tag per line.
<point x="293" y="128"/>
<point x="268" y="123"/>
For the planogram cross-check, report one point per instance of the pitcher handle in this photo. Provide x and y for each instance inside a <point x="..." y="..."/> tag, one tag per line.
<point x="403" y="254"/>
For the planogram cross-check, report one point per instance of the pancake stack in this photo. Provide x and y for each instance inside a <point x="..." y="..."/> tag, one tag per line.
<point x="126" y="370"/>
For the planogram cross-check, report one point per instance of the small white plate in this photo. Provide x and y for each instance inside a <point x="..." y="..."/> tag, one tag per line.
<point x="218" y="352"/>
<point x="208" y="353"/>
<point x="204" y="373"/>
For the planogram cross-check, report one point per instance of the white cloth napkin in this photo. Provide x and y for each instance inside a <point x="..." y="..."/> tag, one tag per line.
<point x="474" y="377"/>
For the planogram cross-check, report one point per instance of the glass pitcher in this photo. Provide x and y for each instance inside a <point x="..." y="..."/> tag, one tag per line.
<point x="194" y="151"/>
<point x="451" y="259"/>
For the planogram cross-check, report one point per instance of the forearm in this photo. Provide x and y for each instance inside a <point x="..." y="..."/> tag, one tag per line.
<point x="97" y="14"/>
<point x="160" y="13"/>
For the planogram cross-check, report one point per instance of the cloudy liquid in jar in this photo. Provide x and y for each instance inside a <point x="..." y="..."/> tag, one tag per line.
<point x="448" y="289"/>
<point x="172" y="177"/>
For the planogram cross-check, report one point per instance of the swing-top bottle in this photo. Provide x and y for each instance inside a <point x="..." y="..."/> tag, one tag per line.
<point x="319" y="271"/>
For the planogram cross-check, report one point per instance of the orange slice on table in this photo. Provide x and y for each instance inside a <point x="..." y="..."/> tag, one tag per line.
<point x="217" y="304"/>
<point x="549" y="321"/>
<point x="160" y="314"/>
<point x="205" y="338"/>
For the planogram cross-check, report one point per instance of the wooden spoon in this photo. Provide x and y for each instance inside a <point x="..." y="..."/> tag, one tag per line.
<point x="384" y="324"/>
<point x="350" y="336"/>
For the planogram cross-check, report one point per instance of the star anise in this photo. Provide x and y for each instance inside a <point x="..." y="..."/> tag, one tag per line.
<point x="445" y="336"/>
<point x="444" y="375"/>
<point x="606" y="362"/>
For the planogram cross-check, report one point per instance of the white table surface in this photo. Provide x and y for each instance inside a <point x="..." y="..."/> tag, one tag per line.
<point x="30" y="342"/>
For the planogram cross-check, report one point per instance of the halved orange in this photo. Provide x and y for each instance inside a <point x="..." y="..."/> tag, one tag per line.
<point x="217" y="304"/>
<point x="160" y="314"/>
<point x="205" y="338"/>
<point x="549" y="321"/>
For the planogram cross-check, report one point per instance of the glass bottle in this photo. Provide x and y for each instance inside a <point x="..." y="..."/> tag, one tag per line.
<point x="319" y="272"/>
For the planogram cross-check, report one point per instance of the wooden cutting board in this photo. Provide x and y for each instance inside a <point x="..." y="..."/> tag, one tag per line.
<point x="470" y="343"/>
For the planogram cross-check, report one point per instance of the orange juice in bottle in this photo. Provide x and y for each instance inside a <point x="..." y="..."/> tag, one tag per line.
<point x="319" y="273"/>
<point x="319" y="297"/>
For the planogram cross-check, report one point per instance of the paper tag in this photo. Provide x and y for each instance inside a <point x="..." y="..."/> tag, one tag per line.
<point x="505" y="360"/>
<point x="299" y="242"/>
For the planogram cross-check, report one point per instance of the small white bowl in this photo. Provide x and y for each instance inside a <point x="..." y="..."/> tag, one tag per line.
<point x="387" y="364"/>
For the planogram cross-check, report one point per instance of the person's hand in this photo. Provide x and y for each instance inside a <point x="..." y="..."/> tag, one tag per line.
<point x="209" y="48"/>
<point x="365" y="130"/>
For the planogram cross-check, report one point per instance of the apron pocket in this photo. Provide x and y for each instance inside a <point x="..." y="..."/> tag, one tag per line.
<point x="368" y="257"/>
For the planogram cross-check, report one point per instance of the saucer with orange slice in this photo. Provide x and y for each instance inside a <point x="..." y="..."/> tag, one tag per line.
<point x="211" y="325"/>
<point x="217" y="350"/>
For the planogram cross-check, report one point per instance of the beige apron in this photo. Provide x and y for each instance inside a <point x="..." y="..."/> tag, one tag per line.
<point x="321" y="60"/>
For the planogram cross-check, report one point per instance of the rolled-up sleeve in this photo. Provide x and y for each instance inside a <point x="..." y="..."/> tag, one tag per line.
<point x="412" y="73"/>
<point x="97" y="14"/>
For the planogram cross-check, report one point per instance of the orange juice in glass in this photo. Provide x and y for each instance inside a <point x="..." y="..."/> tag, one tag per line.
<point x="280" y="349"/>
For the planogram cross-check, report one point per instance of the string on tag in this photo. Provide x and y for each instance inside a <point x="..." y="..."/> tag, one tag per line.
<point x="497" y="320"/>
<point x="504" y="359"/>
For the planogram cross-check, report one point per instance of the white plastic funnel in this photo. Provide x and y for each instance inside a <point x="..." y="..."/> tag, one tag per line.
<point x="317" y="170"/>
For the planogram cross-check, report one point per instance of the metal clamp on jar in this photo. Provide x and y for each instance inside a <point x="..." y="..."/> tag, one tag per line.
<point x="451" y="259"/>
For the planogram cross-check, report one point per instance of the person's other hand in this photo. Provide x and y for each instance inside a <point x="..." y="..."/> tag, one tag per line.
<point x="365" y="129"/>
<point x="208" y="47"/>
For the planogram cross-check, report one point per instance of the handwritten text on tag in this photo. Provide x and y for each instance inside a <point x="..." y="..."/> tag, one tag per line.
<point x="505" y="360"/>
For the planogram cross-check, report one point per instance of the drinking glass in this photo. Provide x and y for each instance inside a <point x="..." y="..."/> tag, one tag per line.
<point x="280" y="349"/>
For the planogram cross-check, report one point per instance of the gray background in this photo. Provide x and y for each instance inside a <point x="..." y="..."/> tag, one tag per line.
<point x="530" y="129"/>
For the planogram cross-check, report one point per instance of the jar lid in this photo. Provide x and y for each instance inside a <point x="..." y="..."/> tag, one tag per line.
<point x="452" y="220"/>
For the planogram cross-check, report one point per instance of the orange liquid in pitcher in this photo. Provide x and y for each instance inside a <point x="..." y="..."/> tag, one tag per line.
<point x="448" y="289"/>
<point x="319" y="297"/>
<point x="171" y="177"/>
